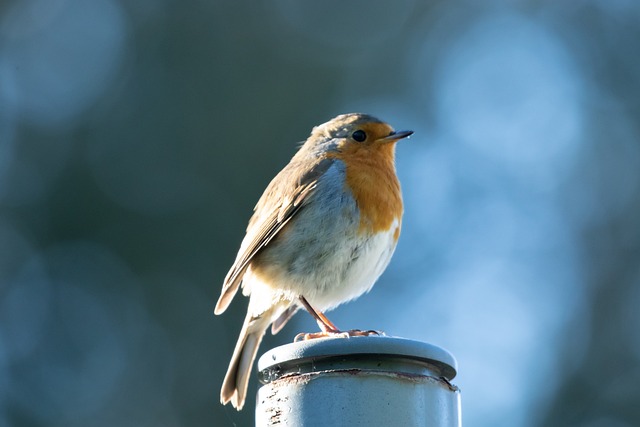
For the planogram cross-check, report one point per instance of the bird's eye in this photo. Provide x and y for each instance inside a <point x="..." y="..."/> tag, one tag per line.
<point x="359" y="135"/>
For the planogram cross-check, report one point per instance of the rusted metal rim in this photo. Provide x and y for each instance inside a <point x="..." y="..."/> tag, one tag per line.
<point x="330" y="353"/>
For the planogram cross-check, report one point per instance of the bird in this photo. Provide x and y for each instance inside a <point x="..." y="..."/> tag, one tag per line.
<point x="321" y="234"/>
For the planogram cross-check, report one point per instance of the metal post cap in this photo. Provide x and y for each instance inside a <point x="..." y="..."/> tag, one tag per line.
<point x="305" y="356"/>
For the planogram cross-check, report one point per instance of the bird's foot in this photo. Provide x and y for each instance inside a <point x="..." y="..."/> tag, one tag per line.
<point x="336" y="334"/>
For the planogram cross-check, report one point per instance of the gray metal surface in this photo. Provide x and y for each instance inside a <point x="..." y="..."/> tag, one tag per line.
<point x="358" y="381"/>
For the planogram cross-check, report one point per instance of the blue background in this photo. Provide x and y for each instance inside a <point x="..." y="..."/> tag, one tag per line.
<point x="135" y="138"/>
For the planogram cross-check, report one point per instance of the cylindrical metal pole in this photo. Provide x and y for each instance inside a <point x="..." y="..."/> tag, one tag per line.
<point x="358" y="381"/>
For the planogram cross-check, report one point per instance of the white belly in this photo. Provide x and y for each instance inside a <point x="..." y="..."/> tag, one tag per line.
<point x="350" y="270"/>
<point x="360" y="276"/>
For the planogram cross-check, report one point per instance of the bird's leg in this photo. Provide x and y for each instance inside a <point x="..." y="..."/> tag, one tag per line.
<point x="325" y="324"/>
<point x="328" y="328"/>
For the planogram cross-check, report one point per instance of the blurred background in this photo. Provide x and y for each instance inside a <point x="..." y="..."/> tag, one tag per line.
<point x="136" y="137"/>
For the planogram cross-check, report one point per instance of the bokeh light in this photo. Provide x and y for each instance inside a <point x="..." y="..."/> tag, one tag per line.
<point x="135" y="138"/>
<point x="58" y="56"/>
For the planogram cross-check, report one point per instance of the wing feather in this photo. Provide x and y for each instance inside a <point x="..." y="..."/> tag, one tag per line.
<point x="289" y="192"/>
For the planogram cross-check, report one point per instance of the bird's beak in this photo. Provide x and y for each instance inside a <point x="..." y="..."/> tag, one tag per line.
<point x="394" y="136"/>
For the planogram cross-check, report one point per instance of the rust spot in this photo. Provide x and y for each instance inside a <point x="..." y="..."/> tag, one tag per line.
<point x="297" y="379"/>
<point x="275" y="417"/>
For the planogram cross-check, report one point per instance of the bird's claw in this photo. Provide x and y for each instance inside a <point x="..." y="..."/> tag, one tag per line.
<point x="336" y="334"/>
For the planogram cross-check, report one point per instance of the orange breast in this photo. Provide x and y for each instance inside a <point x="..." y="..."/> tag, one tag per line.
<point x="371" y="178"/>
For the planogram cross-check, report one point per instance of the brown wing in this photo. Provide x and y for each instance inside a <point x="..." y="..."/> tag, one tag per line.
<point x="284" y="197"/>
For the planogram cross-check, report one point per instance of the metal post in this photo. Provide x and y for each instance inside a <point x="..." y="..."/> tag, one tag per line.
<point x="358" y="381"/>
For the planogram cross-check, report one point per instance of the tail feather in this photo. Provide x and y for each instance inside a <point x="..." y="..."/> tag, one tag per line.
<point x="236" y="381"/>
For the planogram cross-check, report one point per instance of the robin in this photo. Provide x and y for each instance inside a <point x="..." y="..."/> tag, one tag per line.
<point x="321" y="234"/>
